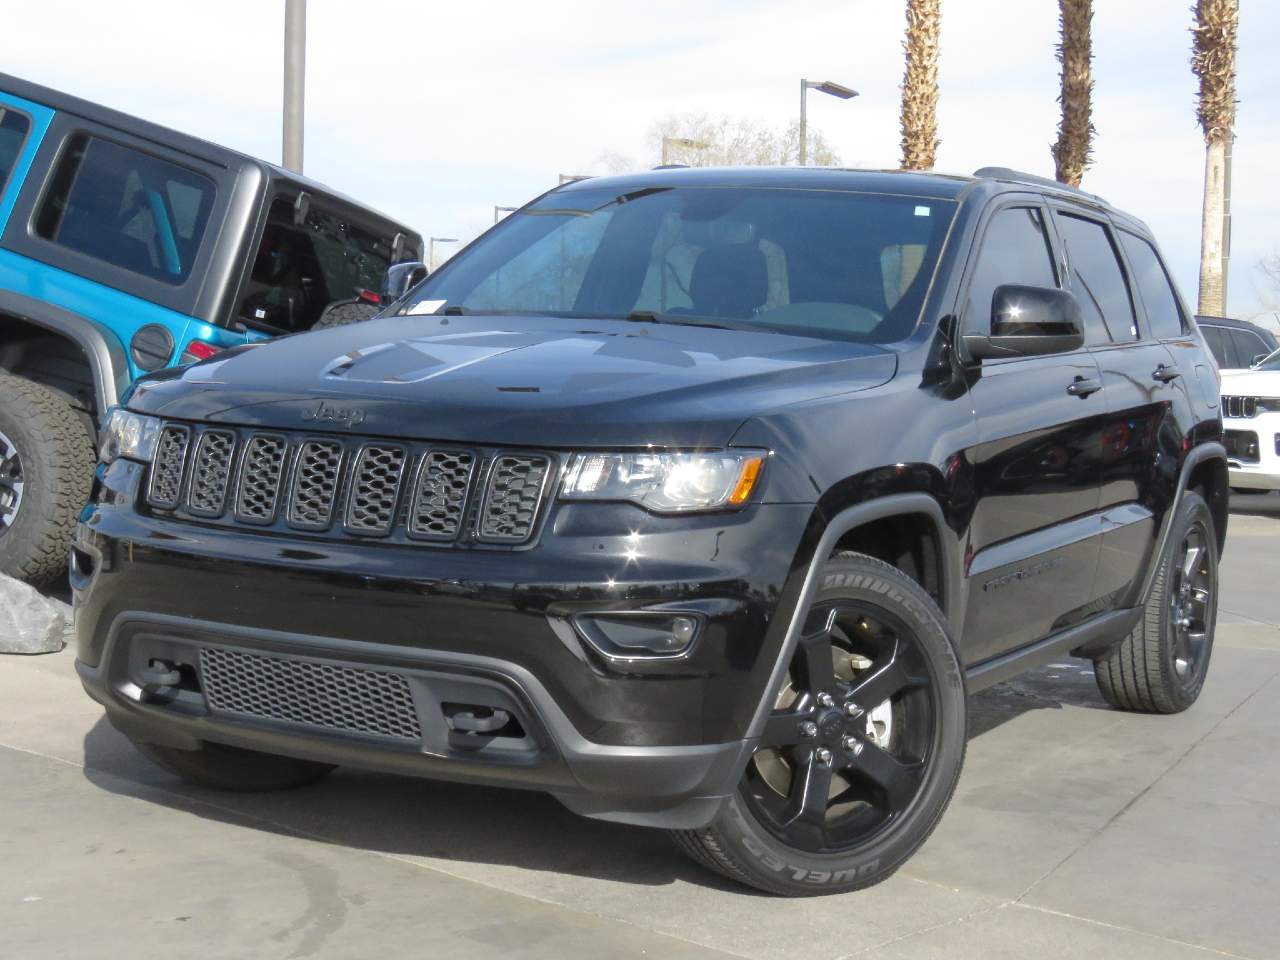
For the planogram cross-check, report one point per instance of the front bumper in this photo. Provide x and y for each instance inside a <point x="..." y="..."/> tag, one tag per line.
<point x="1253" y="451"/>
<point x="658" y="743"/>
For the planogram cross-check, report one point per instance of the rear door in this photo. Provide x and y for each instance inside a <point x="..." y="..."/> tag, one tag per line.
<point x="1035" y="530"/>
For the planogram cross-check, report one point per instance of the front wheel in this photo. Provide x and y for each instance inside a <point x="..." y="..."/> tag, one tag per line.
<point x="861" y="750"/>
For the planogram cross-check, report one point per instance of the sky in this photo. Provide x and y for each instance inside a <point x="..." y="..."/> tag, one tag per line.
<point x="435" y="113"/>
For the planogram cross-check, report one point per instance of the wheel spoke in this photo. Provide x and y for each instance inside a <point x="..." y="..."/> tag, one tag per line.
<point x="1191" y="561"/>
<point x="817" y="674"/>
<point x="782" y="729"/>
<point x="882" y="683"/>
<point x="805" y="815"/>
<point x="895" y="779"/>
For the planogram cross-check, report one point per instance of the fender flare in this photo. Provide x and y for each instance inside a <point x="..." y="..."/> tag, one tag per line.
<point x="895" y="505"/>
<point x="107" y="360"/>
<point x="1195" y="457"/>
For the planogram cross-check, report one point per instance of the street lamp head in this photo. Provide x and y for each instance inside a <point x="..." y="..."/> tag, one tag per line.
<point x="443" y="239"/>
<point x="835" y="89"/>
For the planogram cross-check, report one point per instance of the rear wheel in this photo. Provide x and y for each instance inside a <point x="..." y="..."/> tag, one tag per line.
<point x="46" y="472"/>
<point x="861" y="750"/>
<point x="1161" y="665"/>
<point x="231" y="768"/>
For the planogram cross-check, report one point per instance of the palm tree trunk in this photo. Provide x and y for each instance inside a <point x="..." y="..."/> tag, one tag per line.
<point x="1072" y="154"/>
<point x="920" y="85"/>
<point x="1213" y="60"/>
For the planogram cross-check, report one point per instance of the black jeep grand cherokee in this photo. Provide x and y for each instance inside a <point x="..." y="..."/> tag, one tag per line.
<point x="700" y="499"/>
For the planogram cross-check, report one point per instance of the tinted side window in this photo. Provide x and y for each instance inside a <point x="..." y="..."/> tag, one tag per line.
<point x="1098" y="280"/>
<point x="1247" y="346"/>
<point x="126" y="208"/>
<point x="13" y="130"/>
<point x="1015" y="249"/>
<point x="1213" y="337"/>
<point x="1164" y="312"/>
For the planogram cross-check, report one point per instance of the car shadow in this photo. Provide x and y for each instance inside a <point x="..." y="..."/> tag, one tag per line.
<point x="449" y="825"/>
<point x="1264" y="504"/>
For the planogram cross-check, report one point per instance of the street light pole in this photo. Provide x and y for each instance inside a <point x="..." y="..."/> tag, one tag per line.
<point x="499" y="211"/>
<point x="431" y="249"/>
<point x="295" y="73"/>
<point x="825" y="86"/>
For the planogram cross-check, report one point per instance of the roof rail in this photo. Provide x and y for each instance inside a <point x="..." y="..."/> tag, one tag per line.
<point x="1017" y="176"/>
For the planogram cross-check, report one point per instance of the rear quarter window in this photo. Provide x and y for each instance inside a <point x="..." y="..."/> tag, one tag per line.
<point x="126" y="208"/>
<point x="1164" y="310"/>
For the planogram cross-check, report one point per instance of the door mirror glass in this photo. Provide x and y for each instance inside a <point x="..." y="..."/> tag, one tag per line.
<point x="1029" y="322"/>
<point x="400" y="278"/>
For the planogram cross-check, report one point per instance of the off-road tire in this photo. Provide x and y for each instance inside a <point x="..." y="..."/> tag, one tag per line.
<point x="737" y="846"/>
<point x="346" y="312"/>
<point x="57" y="454"/>
<point x="1139" y="673"/>
<point x="234" y="769"/>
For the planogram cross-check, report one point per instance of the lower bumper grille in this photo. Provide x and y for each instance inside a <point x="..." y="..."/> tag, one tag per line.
<point x="349" y="699"/>
<point x="1242" y="445"/>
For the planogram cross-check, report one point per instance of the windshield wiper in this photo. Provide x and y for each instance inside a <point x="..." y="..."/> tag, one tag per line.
<point x="652" y="316"/>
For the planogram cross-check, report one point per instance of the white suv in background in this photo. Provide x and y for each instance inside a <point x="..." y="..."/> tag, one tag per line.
<point x="1251" y="424"/>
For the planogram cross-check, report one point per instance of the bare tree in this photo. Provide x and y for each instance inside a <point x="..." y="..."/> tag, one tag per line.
<point x="920" y="85"/>
<point x="1213" y="61"/>
<point x="1073" y="153"/>
<point x="703" y="140"/>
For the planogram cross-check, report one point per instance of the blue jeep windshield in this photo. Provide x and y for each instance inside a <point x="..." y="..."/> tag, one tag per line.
<point x="822" y="263"/>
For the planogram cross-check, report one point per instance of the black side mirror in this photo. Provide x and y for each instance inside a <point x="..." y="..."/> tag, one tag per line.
<point x="400" y="278"/>
<point x="1028" y="322"/>
<point x="1258" y="359"/>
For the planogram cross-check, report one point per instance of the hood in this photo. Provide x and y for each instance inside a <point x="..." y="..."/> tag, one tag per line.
<point x="533" y="381"/>
<point x="1251" y="383"/>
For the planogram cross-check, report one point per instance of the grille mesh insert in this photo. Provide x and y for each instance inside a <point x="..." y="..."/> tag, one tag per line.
<point x="260" y="478"/>
<point x="375" y="489"/>
<point x="167" y="467"/>
<point x="311" y="694"/>
<point x="511" y="503"/>
<point x="441" y="494"/>
<point x="210" y="473"/>
<point x="315" y="484"/>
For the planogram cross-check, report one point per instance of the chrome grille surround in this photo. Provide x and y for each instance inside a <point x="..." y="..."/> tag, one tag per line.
<point x="211" y="473"/>
<point x="375" y="489"/>
<point x="512" y="497"/>
<point x="316" y="476"/>
<point x="309" y="693"/>
<point x="260" y="470"/>
<point x="440" y="494"/>
<point x="1240" y="408"/>
<point x="168" y="466"/>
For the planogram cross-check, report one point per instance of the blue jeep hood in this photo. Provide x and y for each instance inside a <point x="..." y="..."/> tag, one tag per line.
<point x="534" y="381"/>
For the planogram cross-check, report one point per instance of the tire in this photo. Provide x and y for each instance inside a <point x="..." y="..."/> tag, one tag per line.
<point x="46" y="473"/>
<point x="232" y="768"/>
<point x="891" y="768"/>
<point x="1161" y="665"/>
<point x="345" y="312"/>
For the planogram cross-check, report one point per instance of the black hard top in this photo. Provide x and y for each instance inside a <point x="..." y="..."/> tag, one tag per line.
<point x="173" y="139"/>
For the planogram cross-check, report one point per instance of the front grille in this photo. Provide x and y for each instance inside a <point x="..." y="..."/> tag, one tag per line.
<point x="302" y="692"/>
<point x="375" y="490"/>
<point x="1240" y="408"/>
<point x="211" y="473"/>
<point x="168" y="466"/>
<point x="511" y="502"/>
<point x="1242" y="445"/>
<point x="338" y="486"/>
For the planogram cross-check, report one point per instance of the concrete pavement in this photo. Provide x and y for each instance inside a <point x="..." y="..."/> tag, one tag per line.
<point x="1077" y="831"/>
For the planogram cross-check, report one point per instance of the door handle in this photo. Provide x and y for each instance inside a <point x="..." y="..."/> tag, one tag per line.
<point x="1083" y="386"/>
<point x="1164" y="373"/>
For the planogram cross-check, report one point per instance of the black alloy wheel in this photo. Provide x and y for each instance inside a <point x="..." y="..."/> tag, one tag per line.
<point x="1192" y="603"/>
<point x="845" y="749"/>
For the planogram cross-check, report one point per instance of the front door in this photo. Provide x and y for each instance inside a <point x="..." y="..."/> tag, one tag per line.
<point x="1034" y="536"/>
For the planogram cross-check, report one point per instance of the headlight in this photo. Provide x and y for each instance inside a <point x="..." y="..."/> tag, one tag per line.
<point x="129" y="435"/>
<point x="665" y="482"/>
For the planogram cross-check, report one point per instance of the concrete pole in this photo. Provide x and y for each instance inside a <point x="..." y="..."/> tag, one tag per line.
<point x="804" y="122"/>
<point x="295" y="73"/>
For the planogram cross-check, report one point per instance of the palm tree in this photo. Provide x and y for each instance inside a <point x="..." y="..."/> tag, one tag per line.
<point x="1072" y="154"/>
<point x="1213" y="60"/>
<point x="920" y="85"/>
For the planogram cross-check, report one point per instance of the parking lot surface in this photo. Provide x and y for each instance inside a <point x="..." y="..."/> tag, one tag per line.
<point x="1077" y="831"/>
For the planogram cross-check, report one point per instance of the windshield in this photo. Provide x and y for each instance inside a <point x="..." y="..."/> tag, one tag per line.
<point x="822" y="263"/>
<point x="1270" y="362"/>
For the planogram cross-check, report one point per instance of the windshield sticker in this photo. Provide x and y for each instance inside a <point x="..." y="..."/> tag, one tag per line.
<point x="424" y="307"/>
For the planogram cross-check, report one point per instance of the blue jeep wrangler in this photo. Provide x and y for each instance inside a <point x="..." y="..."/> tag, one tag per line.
<point x="126" y="247"/>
